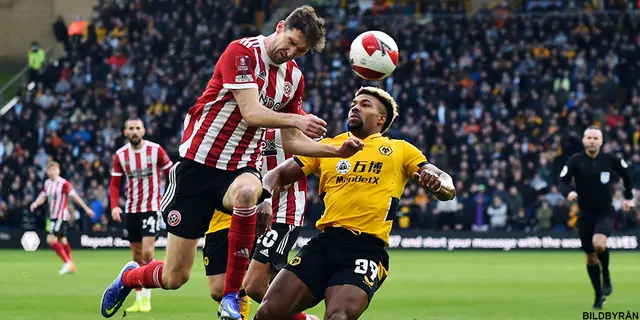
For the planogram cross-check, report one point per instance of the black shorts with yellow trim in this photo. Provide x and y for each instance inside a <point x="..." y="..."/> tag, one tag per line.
<point x="214" y="252"/>
<point x="339" y="256"/>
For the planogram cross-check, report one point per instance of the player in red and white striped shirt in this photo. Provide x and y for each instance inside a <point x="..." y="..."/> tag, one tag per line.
<point x="57" y="191"/>
<point x="255" y="85"/>
<point x="141" y="162"/>
<point x="287" y="210"/>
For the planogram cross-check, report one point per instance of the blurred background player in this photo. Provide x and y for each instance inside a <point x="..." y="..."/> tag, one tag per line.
<point x="57" y="191"/>
<point x="286" y="208"/>
<point x="221" y="161"/>
<point x="592" y="171"/>
<point x="348" y="261"/>
<point x="140" y="161"/>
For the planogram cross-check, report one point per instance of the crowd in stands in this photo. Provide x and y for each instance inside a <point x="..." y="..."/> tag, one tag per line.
<point x="498" y="101"/>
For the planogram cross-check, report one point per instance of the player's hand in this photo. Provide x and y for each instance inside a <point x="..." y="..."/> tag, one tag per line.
<point x="312" y="126"/>
<point x="90" y="213"/>
<point x="428" y="180"/>
<point x="33" y="207"/>
<point x="573" y="196"/>
<point x="350" y="147"/>
<point x="265" y="213"/>
<point x="115" y="214"/>
<point x="627" y="205"/>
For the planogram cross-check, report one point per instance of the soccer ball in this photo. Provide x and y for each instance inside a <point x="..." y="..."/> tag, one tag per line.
<point x="373" y="55"/>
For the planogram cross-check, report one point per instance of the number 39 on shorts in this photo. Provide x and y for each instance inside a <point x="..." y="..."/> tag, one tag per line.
<point x="364" y="266"/>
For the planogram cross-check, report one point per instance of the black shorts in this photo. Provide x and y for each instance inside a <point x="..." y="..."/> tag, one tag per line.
<point x="588" y="225"/>
<point x="274" y="246"/>
<point x="193" y="193"/>
<point x="141" y="224"/>
<point x="58" y="227"/>
<point x="214" y="252"/>
<point x="338" y="256"/>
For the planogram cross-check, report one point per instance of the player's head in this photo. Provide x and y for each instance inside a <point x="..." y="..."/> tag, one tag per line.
<point x="372" y="111"/>
<point x="134" y="130"/>
<point x="53" y="170"/>
<point x="592" y="139"/>
<point x="300" y="32"/>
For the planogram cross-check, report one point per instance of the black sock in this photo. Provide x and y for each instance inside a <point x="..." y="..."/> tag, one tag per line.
<point x="594" y="274"/>
<point x="604" y="263"/>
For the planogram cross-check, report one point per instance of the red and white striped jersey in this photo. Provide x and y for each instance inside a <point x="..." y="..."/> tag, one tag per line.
<point x="57" y="192"/>
<point x="289" y="205"/>
<point x="142" y="168"/>
<point x="214" y="132"/>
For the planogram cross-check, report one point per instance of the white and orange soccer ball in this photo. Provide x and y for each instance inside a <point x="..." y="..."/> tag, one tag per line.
<point x="373" y="55"/>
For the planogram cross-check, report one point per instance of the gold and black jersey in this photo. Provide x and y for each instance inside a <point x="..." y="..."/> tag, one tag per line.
<point x="219" y="221"/>
<point x="361" y="193"/>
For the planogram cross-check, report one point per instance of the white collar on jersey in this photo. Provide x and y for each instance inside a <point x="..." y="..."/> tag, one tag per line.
<point x="265" y="56"/>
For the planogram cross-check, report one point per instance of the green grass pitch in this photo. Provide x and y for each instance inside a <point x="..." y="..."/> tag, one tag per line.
<point x="421" y="285"/>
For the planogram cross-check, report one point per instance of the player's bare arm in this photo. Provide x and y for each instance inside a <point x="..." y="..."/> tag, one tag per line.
<point x="283" y="175"/>
<point x="436" y="181"/>
<point x="294" y="142"/>
<point x="76" y="198"/>
<point x="39" y="201"/>
<point x="257" y="115"/>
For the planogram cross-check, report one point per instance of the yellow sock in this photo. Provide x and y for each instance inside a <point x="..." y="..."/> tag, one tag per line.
<point x="244" y="304"/>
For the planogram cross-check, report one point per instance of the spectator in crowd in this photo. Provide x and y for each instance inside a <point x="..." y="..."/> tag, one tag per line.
<point x="497" y="212"/>
<point x="498" y="100"/>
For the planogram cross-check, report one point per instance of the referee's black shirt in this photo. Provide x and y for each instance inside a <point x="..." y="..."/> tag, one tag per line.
<point x="593" y="181"/>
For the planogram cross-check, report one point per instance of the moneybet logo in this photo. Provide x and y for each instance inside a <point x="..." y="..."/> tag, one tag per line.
<point x="358" y="179"/>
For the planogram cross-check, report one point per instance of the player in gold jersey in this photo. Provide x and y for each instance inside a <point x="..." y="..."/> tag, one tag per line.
<point x="214" y="254"/>
<point x="347" y="262"/>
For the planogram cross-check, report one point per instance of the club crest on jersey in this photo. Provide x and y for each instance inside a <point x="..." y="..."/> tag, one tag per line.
<point x="604" y="177"/>
<point x="385" y="150"/>
<point x="287" y="89"/>
<point x="343" y="166"/>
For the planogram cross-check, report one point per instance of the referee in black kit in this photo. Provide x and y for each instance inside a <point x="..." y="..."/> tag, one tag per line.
<point x="591" y="171"/>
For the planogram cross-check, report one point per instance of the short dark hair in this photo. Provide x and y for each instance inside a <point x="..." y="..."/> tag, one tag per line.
<point x="386" y="100"/>
<point x="307" y="21"/>
<point x="133" y="119"/>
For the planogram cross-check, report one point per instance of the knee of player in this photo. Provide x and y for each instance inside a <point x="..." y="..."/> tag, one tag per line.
<point x="592" y="258"/>
<point x="599" y="246"/>
<point x="247" y="195"/>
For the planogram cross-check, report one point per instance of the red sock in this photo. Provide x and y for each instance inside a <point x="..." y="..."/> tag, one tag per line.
<point x="67" y="249"/>
<point x="300" y="316"/>
<point x="59" y="249"/>
<point x="149" y="276"/>
<point x="242" y="233"/>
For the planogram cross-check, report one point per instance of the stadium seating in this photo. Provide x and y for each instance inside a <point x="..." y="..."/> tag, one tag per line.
<point x="499" y="101"/>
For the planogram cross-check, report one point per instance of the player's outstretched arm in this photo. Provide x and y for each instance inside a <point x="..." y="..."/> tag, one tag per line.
<point x="294" y="142"/>
<point x="257" y="115"/>
<point x="436" y="181"/>
<point x="283" y="175"/>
